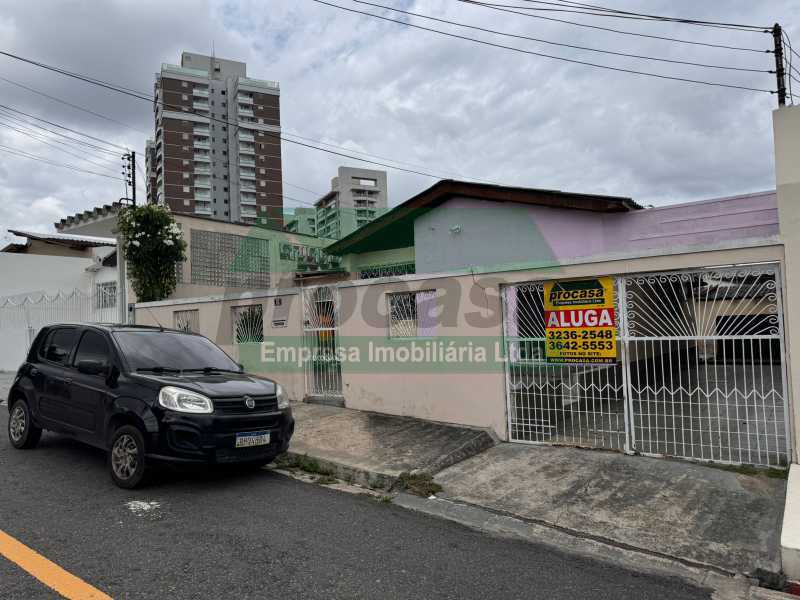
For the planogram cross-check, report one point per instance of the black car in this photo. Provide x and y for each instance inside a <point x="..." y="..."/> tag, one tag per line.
<point x="147" y="395"/>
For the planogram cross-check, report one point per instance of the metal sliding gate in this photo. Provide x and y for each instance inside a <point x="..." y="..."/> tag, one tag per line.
<point x="323" y="371"/>
<point x="700" y="374"/>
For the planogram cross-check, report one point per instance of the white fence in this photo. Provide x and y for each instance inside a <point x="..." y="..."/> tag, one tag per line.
<point x="22" y="316"/>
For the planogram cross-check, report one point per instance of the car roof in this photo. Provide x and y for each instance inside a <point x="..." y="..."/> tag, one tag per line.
<point x="121" y="327"/>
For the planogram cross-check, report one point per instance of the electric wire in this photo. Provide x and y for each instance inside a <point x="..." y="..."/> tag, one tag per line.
<point x="24" y="126"/>
<point x="544" y="55"/>
<point x="6" y="112"/>
<point x="71" y="105"/>
<point x="564" y="45"/>
<point x="606" y="12"/>
<point x="86" y="135"/>
<point x="617" y="31"/>
<point x="26" y="154"/>
<point x="44" y="141"/>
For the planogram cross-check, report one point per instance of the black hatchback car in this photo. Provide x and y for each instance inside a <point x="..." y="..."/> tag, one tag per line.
<point x="146" y="395"/>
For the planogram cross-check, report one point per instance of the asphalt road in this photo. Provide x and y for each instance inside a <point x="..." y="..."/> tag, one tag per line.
<point x="264" y="535"/>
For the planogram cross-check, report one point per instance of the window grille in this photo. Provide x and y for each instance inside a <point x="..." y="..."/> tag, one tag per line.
<point x="105" y="295"/>
<point x="227" y="260"/>
<point x="186" y="320"/>
<point x="411" y="314"/>
<point x="248" y="324"/>
<point x="390" y="270"/>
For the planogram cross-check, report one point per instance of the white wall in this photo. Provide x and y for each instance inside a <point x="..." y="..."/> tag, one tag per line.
<point x="23" y="273"/>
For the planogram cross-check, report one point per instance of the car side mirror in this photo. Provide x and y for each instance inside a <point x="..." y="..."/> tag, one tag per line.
<point x="241" y="367"/>
<point x="92" y="367"/>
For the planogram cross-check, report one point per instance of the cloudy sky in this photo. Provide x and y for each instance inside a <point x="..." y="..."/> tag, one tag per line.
<point x="452" y="107"/>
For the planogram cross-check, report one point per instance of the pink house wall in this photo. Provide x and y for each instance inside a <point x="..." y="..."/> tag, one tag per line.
<point x="574" y="234"/>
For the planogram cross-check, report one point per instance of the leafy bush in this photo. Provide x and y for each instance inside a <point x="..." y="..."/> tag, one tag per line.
<point x="152" y="245"/>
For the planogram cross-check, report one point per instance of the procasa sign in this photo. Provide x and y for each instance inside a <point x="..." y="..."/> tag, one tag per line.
<point x="580" y="324"/>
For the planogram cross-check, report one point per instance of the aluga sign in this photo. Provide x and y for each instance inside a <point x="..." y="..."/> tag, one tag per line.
<point x="580" y="322"/>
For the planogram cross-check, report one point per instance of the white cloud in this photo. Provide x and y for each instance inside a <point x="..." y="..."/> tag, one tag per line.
<point x="454" y="107"/>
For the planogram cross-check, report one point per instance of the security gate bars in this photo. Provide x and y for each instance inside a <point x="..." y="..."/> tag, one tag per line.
<point x="323" y="370"/>
<point x="701" y="371"/>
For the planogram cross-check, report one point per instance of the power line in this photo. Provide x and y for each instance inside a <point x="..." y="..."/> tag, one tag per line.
<point x="75" y="106"/>
<point x="9" y="113"/>
<point x="564" y="45"/>
<point x="25" y="154"/>
<point x="655" y="17"/>
<point x="43" y="140"/>
<point x="588" y="9"/>
<point x="33" y="129"/>
<point x="86" y="135"/>
<point x="617" y="31"/>
<point x="543" y="55"/>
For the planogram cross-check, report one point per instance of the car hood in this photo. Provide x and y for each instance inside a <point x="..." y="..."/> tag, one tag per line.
<point x="214" y="385"/>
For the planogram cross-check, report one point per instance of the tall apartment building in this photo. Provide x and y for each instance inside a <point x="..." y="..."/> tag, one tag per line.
<point x="357" y="197"/>
<point x="150" y="159"/>
<point x="217" y="141"/>
<point x="301" y="220"/>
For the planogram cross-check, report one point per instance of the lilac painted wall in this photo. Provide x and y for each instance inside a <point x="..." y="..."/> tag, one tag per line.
<point x="707" y="222"/>
<point x="464" y="233"/>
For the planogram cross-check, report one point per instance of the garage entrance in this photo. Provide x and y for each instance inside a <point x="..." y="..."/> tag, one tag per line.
<point x="700" y="373"/>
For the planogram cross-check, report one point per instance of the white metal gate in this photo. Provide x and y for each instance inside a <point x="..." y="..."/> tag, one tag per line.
<point x="701" y="371"/>
<point x="23" y="315"/>
<point x="323" y="370"/>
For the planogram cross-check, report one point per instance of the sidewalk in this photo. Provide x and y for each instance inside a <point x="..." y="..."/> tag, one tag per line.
<point x="374" y="449"/>
<point x="707" y="519"/>
<point x="694" y="513"/>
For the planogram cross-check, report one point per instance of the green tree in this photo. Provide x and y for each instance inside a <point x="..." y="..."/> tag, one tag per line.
<point x="152" y="245"/>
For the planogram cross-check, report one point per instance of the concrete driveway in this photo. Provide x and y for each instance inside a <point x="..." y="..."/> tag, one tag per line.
<point x="695" y="513"/>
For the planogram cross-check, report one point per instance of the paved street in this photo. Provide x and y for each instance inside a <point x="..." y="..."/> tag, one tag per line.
<point x="262" y="535"/>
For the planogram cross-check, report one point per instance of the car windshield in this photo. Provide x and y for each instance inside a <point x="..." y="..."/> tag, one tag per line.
<point x="171" y="351"/>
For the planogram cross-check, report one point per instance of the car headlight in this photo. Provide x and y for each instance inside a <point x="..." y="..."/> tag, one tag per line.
<point x="283" y="399"/>
<point x="185" y="401"/>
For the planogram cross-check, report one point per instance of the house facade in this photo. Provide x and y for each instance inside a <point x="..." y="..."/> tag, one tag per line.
<point x="694" y="362"/>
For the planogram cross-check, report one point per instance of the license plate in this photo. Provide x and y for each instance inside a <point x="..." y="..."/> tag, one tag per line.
<point x="252" y="438"/>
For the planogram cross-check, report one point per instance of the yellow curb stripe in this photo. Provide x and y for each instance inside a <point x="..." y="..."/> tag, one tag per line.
<point x="48" y="572"/>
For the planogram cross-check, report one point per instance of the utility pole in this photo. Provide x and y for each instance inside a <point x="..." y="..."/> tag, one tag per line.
<point x="780" y="73"/>
<point x="132" y="162"/>
<point x="129" y="174"/>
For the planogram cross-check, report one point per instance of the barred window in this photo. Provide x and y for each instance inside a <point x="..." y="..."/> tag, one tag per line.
<point x="412" y="314"/>
<point x="390" y="270"/>
<point x="186" y="320"/>
<point x="248" y="324"/>
<point x="105" y="294"/>
<point x="228" y="260"/>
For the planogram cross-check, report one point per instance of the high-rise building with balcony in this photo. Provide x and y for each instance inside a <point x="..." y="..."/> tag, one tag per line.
<point x="217" y="149"/>
<point x="301" y="220"/>
<point x="357" y="197"/>
<point x="151" y="177"/>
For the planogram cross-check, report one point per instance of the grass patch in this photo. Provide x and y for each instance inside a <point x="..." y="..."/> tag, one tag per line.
<point x="421" y="484"/>
<point x="753" y="471"/>
<point x="303" y="463"/>
<point x="325" y="480"/>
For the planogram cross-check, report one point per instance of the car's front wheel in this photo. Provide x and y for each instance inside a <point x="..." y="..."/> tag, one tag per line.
<point x="21" y="430"/>
<point x="126" y="459"/>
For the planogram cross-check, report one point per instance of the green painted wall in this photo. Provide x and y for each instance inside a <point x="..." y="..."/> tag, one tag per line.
<point x="354" y="262"/>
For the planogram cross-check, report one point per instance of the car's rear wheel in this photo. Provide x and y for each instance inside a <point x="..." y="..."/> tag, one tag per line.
<point x="21" y="430"/>
<point x="126" y="458"/>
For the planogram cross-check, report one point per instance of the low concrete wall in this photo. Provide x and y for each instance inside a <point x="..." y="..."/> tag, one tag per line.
<point x="216" y="324"/>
